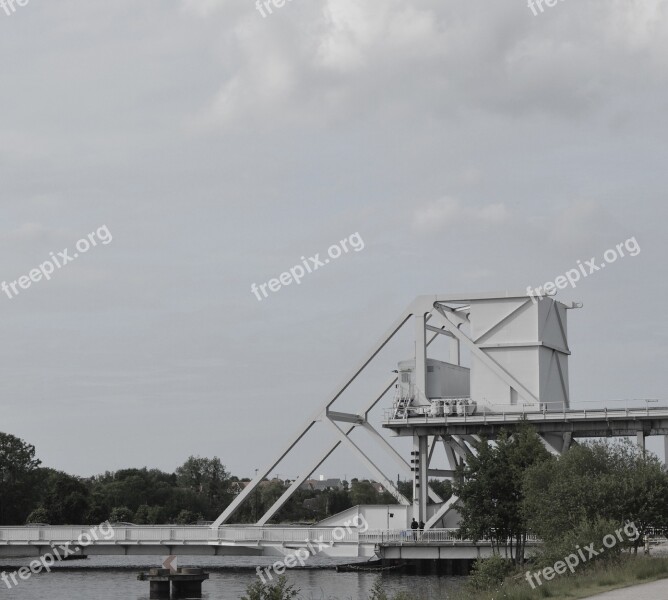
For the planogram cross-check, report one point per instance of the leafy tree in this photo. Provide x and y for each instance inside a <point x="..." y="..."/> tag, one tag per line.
<point x="363" y="492"/>
<point x="206" y="477"/>
<point x="66" y="499"/>
<point x="406" y="489"/>
<point x="270" y="492"/>
<point x="141" y="516"/>
<point x="150" y="515"/>
<point x="98" y="509"/>
<point x="134" y="487"/>
<point x="188" y="517"/>
<point x="491" y="489"/>
<point x="593" y="482"/>
<point x="641" y="487"/>
<point x="442" y="487"/>
<point x="338" y="501"/>
<point x="96" y="514"/>
<point x="17" y="481"/>
<point x="120" y="514"/>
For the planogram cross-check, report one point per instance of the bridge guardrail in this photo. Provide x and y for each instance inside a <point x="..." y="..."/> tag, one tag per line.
<point x="285" y="534"/>
<point x="431" y="536"/>
<point x="538" y="415"/>
<point x="160" y="534"/>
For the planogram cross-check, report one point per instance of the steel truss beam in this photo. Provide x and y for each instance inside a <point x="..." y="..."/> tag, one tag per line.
<point x="432" y="317"/>
<point x="421" y="305"/>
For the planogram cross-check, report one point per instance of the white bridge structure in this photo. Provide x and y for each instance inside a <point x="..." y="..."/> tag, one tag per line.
<point x="158" y="540"/>
<point x="507" y="360"/>
<point x="516" y="346"/>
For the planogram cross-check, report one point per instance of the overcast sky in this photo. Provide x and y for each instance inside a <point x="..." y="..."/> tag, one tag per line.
<point x="472" y="146"/>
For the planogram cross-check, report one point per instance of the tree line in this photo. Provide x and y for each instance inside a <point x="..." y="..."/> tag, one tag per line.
<point x="199" y="490"/>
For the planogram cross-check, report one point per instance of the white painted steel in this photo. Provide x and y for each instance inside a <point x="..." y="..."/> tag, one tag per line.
<point x="515" y="416"/>
<point x="160" y="535"/>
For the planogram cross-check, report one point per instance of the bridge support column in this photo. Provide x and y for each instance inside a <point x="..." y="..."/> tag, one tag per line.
<point x="420" y="442"/>
<point x="420" y="476"/>
<point x="641" y="440"/>
<point x="568" y="440"/>
<point x="665" y="449"/>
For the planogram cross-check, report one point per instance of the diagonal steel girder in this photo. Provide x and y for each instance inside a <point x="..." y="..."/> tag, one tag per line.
<point x="321" y="459"/>
<point x="424" y="305"/>
<point x="416" y="305"/>
<point x="386" y="481"/>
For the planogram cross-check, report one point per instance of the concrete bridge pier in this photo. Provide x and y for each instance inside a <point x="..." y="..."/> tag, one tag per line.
<point x="430" y="566"/>
<point x="159" y="590"/>
<point x="184" y="583"/>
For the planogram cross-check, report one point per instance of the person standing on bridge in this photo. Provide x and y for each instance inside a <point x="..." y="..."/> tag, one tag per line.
<point x="414" y="526"/>
<point x="421" y="528"/>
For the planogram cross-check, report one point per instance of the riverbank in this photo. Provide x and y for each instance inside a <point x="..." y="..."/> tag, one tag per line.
<point x="655" y="589"/>
<point x="629" y="571"/>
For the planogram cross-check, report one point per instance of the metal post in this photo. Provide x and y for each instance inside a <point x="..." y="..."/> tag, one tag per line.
<point x="415" y="465"/>
<point x="420" y="359"/>
<point x="421" y="476"/>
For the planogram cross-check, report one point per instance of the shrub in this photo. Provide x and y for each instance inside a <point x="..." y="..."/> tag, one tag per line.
<point x="489" y="572"/>
<point x="120" y="514"/>
<point x="265" y="591"/>
<point x="580" y="537"/>
<point x="39" y="515"/>
<point x="186" y="517"/>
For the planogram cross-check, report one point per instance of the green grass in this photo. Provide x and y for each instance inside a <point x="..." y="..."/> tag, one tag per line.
<point x="629" y="570"/>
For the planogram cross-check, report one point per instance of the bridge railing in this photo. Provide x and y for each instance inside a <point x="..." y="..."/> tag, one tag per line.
<point x="161" y="534"/>
<point x="141" y="533"/>
<point x="431" y="536"/>
<point x="486" y="415"/>
<point x="381" y="536"/>
<point x="286" y="534"/>
<point x="157" y="534"/>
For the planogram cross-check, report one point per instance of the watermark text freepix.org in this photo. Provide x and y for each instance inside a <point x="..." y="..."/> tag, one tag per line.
<point x="572" y="276"/>
<point x="549" y="3"/>
<point x="267" y="4"/>
<point x="302" y="554"/>
<point x="9" y="6"/>
<point x="59" y="552"/>
<point x="571" y="561"/>
<point x="313" y="263"/>
<point x="57" y="261"/>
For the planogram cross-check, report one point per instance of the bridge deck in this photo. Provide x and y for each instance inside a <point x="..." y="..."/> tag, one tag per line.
<point x="227" y="540"/>
<point x="580" y="423"/>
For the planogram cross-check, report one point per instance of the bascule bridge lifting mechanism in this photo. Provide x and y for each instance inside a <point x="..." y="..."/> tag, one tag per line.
<point x="517" y="368"/>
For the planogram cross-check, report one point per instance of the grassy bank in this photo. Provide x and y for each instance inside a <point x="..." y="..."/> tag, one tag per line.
<point x="629" y="570"/>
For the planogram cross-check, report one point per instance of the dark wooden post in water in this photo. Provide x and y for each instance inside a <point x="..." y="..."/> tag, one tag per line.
<point x="184" y="583"/>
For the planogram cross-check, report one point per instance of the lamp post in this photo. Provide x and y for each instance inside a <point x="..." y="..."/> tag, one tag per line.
<point x="256" y="497"/>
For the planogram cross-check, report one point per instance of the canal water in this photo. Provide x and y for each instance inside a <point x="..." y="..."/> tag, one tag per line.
<point x="115" y="578"/>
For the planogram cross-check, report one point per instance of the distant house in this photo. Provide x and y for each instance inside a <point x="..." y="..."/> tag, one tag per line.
<point x="377" y="486"/>
<point x="322" y="484"/>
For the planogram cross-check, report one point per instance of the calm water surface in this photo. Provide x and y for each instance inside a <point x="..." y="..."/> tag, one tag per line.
<point x="107" y="578"/>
